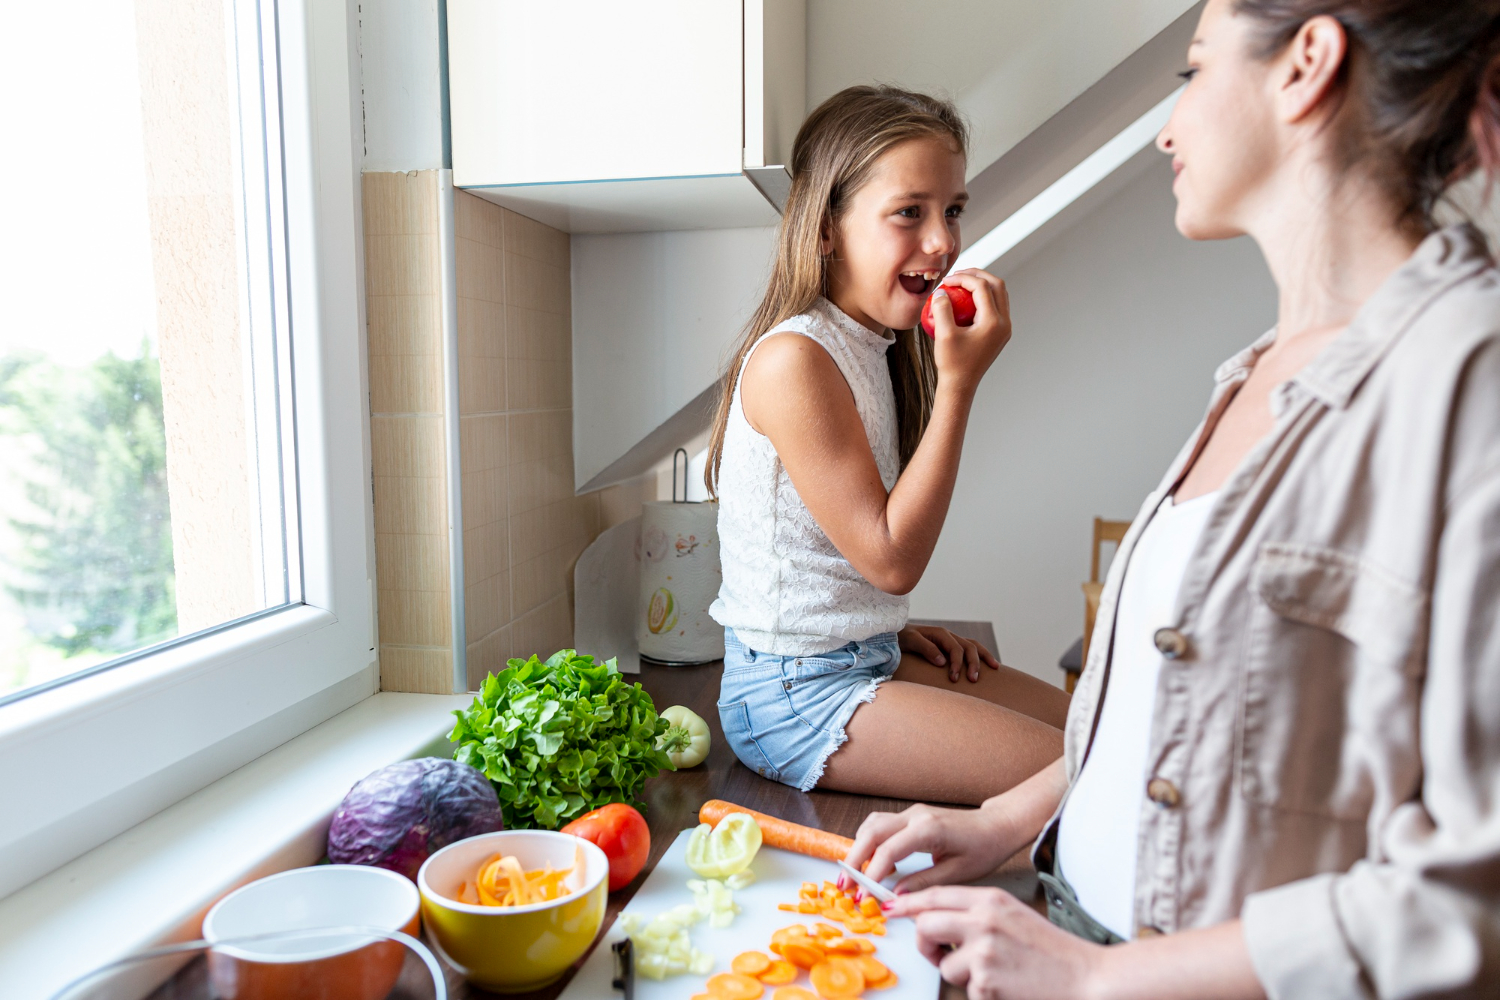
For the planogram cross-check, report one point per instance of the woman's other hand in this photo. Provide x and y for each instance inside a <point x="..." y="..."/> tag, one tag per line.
<point x="964" y="353"/>
<point x="993" y="945"/>
<point x="964" y="843"/>
<point x="940" y="647"/>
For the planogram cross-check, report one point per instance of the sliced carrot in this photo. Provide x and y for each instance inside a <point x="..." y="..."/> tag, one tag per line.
<point x="789" y="907"/>
<point x="879" y="929"/>
<point x="828" y="930"/>
<point x="858" y="925"/>
<point x="885" y="983"/>
<point x="837" y="979"/>
<point x="875" y="971"/>
<point x="794" y="993"/>
<point x="803" y="956"/>
<point x="869" y="907"/>
<point x="751" y="963"/>
<point x="844" y="946"/>
<point x="807" y="906"/>
<point x="778" y="973"/>
<point x="735" y="986"/>
<point x="780" y="833"/>
<point x="810" y="887"/>
<point x="865" y="945"/>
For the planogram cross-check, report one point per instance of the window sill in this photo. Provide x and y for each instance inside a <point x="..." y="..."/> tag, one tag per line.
<point x="154" y="882"/>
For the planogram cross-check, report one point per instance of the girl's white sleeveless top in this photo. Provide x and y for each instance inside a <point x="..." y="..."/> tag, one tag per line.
<point x="786" y="589"/>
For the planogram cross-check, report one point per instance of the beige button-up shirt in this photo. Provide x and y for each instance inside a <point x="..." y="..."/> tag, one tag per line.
<point x="1325" y="750"/>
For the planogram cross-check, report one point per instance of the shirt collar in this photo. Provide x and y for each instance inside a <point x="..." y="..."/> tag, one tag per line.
<point x="1444" y="259"/>
<point x="853" y="327"/>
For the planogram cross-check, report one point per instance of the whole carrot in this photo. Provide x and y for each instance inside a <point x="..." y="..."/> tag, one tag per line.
<point x="782" y="833"/>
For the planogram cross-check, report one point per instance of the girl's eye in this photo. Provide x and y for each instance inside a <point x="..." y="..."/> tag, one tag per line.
<point x="910" y="212"/>
<point x="1188" y="74"/>
<point x="955" y="211"/>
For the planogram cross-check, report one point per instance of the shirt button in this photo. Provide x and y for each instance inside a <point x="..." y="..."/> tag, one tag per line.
<point x="1162" y="792"/>
<point x="1149" y="932"/>
<point x="1170" y="643"/>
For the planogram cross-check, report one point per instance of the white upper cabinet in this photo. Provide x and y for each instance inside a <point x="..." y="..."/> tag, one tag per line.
<point x="609" y="116"/>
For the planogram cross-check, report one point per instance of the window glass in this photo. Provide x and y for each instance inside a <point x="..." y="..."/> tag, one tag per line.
<point x="145" y="424"/>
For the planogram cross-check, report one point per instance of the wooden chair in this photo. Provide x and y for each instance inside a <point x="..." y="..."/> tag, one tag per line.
<point x="1104" y="532"/>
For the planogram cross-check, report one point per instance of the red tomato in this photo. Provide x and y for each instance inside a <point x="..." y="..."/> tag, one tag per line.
<point x="963" y="309"/>
<point x="621" y="834"/>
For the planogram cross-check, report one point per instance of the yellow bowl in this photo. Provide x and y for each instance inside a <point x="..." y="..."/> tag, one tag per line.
<point x="513" y="949"/>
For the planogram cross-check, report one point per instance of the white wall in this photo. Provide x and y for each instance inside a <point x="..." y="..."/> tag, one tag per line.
<point x="1009" y="64"/>
<point x="1119" y="325"/>
<point x="653" y="317"/>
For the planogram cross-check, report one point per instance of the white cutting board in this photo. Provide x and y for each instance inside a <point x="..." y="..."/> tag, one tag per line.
<point x="779" y="875"/>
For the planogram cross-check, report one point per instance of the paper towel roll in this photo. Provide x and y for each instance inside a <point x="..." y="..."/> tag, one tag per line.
<point x="680" y="576"/>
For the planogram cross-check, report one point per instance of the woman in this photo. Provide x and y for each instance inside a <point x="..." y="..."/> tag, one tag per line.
<point x="1284" y="779"/>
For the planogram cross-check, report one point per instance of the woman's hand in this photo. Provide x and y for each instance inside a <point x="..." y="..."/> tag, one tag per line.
<point x="964" y="353"/>
<point x="942" y="648"/>
<point x="964" y="843"/>
<point x="994" y="945"/>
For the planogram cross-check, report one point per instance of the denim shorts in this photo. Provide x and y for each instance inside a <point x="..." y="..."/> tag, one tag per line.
<point x="783" y="715"/>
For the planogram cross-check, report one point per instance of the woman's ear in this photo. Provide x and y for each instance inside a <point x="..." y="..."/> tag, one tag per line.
<point x="825" y="237"/>
<point x="1310" y="68"/>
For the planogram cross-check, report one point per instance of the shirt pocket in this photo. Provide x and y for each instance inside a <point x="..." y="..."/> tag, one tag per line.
<point x="1336" y="650"/>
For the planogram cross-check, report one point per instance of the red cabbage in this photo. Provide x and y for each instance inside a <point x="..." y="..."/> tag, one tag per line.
<point x="400" y="814"/>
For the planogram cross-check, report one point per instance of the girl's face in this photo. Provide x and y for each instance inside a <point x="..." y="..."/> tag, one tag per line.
<point x="1222" y="136"/>
<point x="899" y="234"/>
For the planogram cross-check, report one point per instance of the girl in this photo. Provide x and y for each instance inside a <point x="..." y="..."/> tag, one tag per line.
<point x="834" y="454"/>
<point x="1291" y="765"/>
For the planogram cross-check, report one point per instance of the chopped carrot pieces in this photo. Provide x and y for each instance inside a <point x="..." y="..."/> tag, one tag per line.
<point x="885" y="983"/>
<point x="735" y="986"/>
<point x="858" y="925"/>
<point x="844" y="946"/>
<point x="778" y="973"/>
<point x="827" y="930"/>
<point x="879" y="929"/>
<point x="868" y="906"/>
<point x="789" y="907"/>
<point x="793" y="993"/>
<point x="807" y="906"/>
<point x="837" y="979"/>
<point x="810" y="887"/>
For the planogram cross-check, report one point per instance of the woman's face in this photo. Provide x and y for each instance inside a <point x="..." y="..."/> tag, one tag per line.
<point x="1222" y="136"/>
<point x="899" y="234"/>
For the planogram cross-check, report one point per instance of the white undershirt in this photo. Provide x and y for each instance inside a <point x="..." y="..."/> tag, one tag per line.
<point x="1097" y="835"/>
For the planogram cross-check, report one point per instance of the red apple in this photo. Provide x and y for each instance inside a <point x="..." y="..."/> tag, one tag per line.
<point x="963" y="309"/>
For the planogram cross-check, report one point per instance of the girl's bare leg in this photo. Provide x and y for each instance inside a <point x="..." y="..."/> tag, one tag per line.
<point x="1005" y="686"/>
<point x="933" y="744"/>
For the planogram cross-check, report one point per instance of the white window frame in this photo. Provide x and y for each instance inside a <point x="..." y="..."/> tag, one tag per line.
<point x="84" y="761"/>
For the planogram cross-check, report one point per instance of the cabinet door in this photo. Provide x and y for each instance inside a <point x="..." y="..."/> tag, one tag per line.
<point x="549" y="91"/>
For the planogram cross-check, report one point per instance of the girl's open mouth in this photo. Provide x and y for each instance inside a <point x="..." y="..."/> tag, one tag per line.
<point x="919" y="282"/>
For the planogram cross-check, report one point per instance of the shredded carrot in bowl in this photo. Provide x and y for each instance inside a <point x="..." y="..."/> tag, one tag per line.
<point x="500" y="881"/>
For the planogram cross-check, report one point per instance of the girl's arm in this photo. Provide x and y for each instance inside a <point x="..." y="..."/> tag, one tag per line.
<point x="793" y="392"/>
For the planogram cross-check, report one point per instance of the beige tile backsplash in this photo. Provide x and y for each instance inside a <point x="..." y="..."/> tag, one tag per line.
<point x="523" y="527"/>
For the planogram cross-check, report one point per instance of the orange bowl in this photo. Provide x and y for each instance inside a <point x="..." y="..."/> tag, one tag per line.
<point x="316" y="961"/>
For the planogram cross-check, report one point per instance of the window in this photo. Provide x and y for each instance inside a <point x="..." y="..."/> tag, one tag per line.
<point x="144" y="492"/>
<point x="185" y="547"/>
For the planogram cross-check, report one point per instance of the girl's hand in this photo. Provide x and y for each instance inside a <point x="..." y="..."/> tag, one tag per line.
<point x="944" y="649"/>
<point x="964" y="843"/>
<point x="993" y="945"/>
<point x="965" y="353"/>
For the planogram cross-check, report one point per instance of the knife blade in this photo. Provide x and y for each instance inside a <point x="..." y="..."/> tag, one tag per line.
<point x="865" y="882"/>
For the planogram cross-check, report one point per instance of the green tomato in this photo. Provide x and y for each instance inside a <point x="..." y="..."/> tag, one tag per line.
<point x="726" y="849"/>
<point x="686" y="740"/>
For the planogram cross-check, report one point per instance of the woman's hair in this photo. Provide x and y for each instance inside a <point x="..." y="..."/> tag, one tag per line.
<point x="835" y="152"/>
<point x="1421" y="82"/>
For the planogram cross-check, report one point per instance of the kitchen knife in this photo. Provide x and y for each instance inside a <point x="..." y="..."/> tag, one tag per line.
<point x="865" y="882"/>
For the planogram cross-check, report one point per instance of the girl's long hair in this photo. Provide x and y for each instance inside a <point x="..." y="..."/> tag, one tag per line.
<point x="835" y="151"/>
